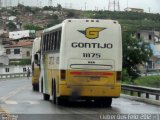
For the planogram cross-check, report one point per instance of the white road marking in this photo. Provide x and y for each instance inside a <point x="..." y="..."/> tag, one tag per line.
<point x="11" y="102"/>
<point x="12" y="93"/>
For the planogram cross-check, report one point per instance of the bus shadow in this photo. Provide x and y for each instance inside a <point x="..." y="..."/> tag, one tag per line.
<point x="83" y="104"/>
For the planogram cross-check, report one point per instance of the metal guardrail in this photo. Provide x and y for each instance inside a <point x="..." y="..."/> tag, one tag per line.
<point x="141" y="90"/>
<point x="13" y="75"/>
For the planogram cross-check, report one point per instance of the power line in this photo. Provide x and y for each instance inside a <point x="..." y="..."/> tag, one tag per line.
<point x="6" y="3"/>
<point x="85" y="5"/>
<point x="114" y="5"/>
<point x="0" y="3"/>
<point x="50" y="2"/>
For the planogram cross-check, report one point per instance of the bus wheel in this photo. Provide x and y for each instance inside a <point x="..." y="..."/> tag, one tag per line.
<point x="104" y="102"/>
<point x="53" y="93"/>
<point x="35" y="87"/>
<point x="60" y="101"/>
<point x="55" y="99"/>
<point x="108" y="102"/>
<point x="42" y="85"/>
<point x="46" y="96"/>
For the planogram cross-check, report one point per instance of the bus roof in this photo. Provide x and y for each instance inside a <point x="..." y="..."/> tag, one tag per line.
<point x="58" y="26"/>
<point x="53" y="28"/>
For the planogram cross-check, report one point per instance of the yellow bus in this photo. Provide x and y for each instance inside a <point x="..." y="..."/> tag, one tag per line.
<point x="35" y="64"/>
<point x="81" y="59"/>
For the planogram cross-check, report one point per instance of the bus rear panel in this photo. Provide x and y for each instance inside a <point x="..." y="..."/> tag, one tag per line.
<point x="91" y="59"/>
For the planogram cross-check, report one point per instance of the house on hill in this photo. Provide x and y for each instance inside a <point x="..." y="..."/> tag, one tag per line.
<point x="4" y="60"/>
<point x="134" y="10"/>
<point x="19" y="50"/>
<point x="153" y="38"/>
<point x="22" y="34"/>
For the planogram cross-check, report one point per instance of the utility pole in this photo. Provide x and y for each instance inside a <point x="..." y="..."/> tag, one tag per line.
<point x="37" y="3"/>
<point x="6" y="3"/>
<point x="114" y="5"/>
<point x="50" y="2"/>
<point x="40" y="4"/>
<point x="149" y="9"/>
<point x="18" y="2"/>
<point x="65" y="5"/>
<point x="0" y="3"/>
<point x="10" y="3"/>
<point x="85" y="5"/>
<point x="70" y="5"/>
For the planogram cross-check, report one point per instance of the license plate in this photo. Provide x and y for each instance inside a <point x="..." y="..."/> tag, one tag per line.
<point x="95" y="78"/>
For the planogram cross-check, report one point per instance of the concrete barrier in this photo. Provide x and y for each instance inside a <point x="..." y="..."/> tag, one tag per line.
<point x="14" y="75"/>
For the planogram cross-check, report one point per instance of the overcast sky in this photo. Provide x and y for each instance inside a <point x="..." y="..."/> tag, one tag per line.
<point x="153" y="5"/>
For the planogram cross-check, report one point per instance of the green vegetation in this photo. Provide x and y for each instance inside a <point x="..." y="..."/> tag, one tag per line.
<point x="135" y="52"/>
<point x="11" y="26"/>
<point x="130" y="21"/>
<point x="126" y="78"/>
<point x="53" y="22"/>
<point x="149" y="81"/>
<point x="122" y="15"/>
<point x="70" y="14"/>
<point x="20" y="62"/>
<point x="32" y="27"/>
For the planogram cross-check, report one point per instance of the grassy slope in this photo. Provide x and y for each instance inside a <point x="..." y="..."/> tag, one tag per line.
<point x="149" y="81"/>
<point x="129" y="20"/>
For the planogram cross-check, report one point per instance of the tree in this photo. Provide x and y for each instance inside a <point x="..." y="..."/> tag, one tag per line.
<point x="21" y="6"/>
<point x="32" y="27"/>
<point x="135" y="52"/>
<point x="48" y="8"/>
<point x="53" y="17"/>
<point x="59" y="7"/>
<point x="53" y="22"/>
<point x="28" y="9"/>
<point x="70" y="14"/>
<point x="11" y="26"/>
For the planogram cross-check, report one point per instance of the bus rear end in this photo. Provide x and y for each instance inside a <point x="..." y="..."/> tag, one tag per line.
<point x="35" y="67"/>
<point x="91" y="60"/>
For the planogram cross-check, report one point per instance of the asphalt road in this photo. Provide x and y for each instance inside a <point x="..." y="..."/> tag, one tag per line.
<point x="19" y="101"/>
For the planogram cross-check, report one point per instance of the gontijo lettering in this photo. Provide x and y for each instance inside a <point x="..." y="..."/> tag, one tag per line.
<point x="92" y="45"/>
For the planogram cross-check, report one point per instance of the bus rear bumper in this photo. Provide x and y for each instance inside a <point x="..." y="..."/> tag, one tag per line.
<point x="90" y="91"/>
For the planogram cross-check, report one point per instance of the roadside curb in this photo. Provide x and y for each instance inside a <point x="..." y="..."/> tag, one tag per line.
<point x="140" y="99"/>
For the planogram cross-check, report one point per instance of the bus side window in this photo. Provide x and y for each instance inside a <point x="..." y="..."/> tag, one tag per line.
<point x="59" y="40"/>
<point x="47" y="40"/>
<point x="44" y="42"/>
<point x="42" y="45"/>
<point x="52" y="45"/>
<point x="55" y="42"/>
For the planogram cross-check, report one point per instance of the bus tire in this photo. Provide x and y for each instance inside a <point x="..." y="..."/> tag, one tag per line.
<point x="59" y="101"/>
<point x="54" y="93"/>
<point x="46" y="96"/>
<point x="55" y="99"/>
<point x="104" y="102"/>
<point x="35" y="87"/>
<point x="42" y="85"/>
<point x="108" y="102"/>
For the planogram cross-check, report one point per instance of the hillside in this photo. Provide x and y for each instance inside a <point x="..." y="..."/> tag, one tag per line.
<point x="131" y="21"/>
<point x="49" y="16"/>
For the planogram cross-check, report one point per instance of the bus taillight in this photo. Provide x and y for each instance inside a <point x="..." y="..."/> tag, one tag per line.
<point x="119" y="75"/>
<point x="63" y="74"/>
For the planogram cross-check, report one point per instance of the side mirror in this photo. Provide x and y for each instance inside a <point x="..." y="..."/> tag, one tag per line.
<point x="37" y="59"/>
